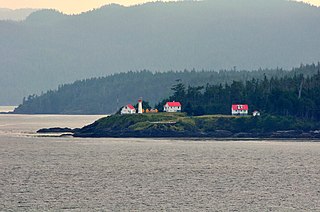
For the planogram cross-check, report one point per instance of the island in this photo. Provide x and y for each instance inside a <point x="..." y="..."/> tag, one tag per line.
<point x="180" y="125"/>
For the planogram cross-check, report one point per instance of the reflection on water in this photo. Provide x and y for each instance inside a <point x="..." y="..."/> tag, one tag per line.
<point x="107" y="174"/>
<point x="6" y="109"/>
<point x="12" y="124"/>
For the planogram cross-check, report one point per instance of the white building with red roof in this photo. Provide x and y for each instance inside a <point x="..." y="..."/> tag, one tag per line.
<point x="172" y="107"/>
<point x="128" y="109"/>
<point x="239" y="109"/>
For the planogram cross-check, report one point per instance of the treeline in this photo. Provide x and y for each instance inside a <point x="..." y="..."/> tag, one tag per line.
<point x="296" y="95"/>
<point x="107" y="95"/>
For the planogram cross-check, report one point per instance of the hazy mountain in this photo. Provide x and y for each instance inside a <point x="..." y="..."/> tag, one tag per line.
<point x="51" y="48"/>
<point x="15" y="15"/>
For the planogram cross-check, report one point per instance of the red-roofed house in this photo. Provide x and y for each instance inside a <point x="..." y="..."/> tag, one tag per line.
<point x="239" y="109"/>
<point x="172" y="107"/>
<point x="128" y="109"/>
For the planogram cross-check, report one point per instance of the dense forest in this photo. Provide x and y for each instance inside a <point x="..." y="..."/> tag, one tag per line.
<point x="296" y="95"/>
<point x="214" y="90"/>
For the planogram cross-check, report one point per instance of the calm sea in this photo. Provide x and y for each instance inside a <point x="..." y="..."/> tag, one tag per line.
<point x="73" y="174"/>
<point x="7" y="108"/>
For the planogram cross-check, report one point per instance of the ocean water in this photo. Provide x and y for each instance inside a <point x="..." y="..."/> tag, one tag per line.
<point x="107" y="174"/>
<point x="7" y="108"/>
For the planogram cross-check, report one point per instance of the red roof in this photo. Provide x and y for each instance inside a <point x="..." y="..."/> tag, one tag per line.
<point x="240" y="107"/>
<point x="130" y="106"/>
<point x="174" y="104"/>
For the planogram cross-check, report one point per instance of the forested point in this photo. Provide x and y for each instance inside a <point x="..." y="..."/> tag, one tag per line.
<point x="274" y="91"/>
<point x="296" y="96"/>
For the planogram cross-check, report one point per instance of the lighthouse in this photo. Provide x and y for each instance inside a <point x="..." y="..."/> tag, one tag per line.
<point x="140" y="105"/>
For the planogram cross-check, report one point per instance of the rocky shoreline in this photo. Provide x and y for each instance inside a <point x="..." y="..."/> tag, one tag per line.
<point x="57" y="130"/>
<point x="228" y="134"/>
<point x="178" y="125"/>
<point x="289" y="134"/>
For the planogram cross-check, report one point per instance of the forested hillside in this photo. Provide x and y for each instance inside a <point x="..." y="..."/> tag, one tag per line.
<point x="50" y="48"/>
<point x="106" y="95"/>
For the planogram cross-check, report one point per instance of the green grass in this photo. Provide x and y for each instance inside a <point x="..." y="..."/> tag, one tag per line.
<point x="180" y="122"/>
<point x="136" y="121"/>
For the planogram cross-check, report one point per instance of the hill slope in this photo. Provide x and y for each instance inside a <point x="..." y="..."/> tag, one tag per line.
<point x="106" y="94"/>
<point x="50" y="48"/>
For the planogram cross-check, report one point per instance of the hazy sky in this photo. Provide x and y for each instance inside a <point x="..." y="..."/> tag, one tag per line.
<point x="66" y="6"/>
<point x="77" y="6"/>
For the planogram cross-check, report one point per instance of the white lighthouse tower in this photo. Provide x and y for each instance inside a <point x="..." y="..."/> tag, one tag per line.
<point x="140" y="106"/>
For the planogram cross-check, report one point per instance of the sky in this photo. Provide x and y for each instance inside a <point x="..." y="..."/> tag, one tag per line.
<point x="78" y="6"/>
<point x="66" y="6"/>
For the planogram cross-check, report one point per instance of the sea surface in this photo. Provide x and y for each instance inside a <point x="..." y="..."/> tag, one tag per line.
<point x="7" y="108"/>
<point x="76" y="174"/>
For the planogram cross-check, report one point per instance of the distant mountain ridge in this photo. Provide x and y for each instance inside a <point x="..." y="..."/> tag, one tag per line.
<point x="15" y="15"/>
<point x="50" y="48"/>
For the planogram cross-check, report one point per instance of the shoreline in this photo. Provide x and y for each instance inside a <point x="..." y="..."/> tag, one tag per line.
<point x="187" y="139"/>
<point x="180" y="126"/>
<point x="201" y="138"/>
<point x="56" y="134"/>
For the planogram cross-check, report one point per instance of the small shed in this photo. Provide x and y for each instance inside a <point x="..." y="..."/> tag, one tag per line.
<point x="256" y="113"/>
<point x="128" y="109"/>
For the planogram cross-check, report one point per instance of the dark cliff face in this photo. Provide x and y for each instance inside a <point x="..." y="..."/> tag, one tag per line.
<point x="51" y="48"/>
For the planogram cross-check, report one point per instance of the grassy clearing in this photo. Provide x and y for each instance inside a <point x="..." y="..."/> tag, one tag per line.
<point x="220" y="116"/>
<point x="180" y="122"/>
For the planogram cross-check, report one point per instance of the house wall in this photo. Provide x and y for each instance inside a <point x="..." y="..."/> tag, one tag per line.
<point x="171" y="109"/>
<point x="239" y="112"/>
<point x="126" y="110"/>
